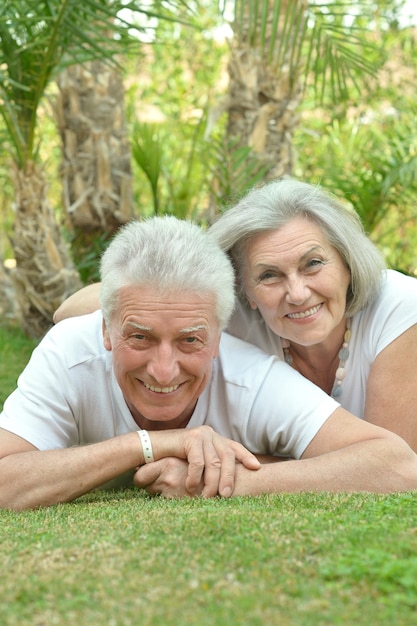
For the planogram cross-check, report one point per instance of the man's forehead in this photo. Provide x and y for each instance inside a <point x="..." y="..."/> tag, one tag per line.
<point x="150" y="309"/>
<point x="155" y="295"/>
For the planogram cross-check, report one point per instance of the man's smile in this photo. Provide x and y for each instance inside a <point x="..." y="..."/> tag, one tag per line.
<point x="161" y="389"/>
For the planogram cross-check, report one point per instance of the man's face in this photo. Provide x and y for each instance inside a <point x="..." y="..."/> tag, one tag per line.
<point x="163" y="350"/>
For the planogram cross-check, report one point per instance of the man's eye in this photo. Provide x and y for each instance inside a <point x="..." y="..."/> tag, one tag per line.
<point x="139" y="337"/>
<point x="192" y="343"/>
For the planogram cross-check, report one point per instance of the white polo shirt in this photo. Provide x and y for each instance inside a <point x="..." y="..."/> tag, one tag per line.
<point x="68" y="395"/>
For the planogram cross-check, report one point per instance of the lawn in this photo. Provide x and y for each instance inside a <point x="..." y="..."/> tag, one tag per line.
<point x="15" y="350"/>
<point x="126" y="559"/>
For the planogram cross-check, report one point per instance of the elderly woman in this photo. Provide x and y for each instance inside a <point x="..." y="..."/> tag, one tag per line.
<point x="314" y="291"/>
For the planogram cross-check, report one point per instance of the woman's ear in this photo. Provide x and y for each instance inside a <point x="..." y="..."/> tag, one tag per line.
<point x="252" y="304"/>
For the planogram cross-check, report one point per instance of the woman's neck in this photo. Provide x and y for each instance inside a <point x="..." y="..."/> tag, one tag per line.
<point x="318" y="362"/>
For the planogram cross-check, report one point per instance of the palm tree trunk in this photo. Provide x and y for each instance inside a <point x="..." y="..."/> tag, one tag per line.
<point x="96" y="170"/>
<point x="44" y="275"/>
<point x="263" y="95"/>
<point x="8" y="305"/>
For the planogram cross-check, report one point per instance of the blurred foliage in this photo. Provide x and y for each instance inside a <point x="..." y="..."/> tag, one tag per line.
<point x="326" y="43"/>
<point x="49" y="155"/>
<point x="87" y="253"/>
<point x="362" y="147"/>
<point x="365" y="150"/>
<point x="168" y="94"/>
<point x="236" y="169"/>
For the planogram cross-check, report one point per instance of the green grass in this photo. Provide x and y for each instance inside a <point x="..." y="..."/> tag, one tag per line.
<point x="125" y="559"/>
<point x="15" y="350"/>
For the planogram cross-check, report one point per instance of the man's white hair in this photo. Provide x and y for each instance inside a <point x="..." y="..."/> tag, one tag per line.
<point x="171" y="255"/>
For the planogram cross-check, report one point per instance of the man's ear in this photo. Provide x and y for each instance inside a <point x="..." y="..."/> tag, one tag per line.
<point x="217" y="348"/>
<point x="106" y="336"/>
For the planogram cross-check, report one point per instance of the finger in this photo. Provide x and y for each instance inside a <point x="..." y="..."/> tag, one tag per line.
<point x="146" y="475"/>
<point x="195" y="457"/>
<point x="245" y="457"/>
<point x="212" y="470"/>
<point x="227" y="473"/>
<point x="229" y="455"/>
<point x="225" y="450"/>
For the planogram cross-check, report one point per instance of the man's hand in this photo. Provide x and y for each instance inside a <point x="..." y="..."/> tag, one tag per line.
<point x="211" y="458"/>
<point x="166" y="477"/>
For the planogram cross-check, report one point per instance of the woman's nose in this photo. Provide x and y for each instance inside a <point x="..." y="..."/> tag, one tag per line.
<point x="297" y="290"/>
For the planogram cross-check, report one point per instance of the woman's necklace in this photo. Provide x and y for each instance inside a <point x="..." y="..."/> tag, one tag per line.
<point x="343" y="357"/>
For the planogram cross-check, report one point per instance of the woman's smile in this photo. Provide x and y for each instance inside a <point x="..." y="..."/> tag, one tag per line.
<point x="297" y="280"/>
<point x="308" y="313"/>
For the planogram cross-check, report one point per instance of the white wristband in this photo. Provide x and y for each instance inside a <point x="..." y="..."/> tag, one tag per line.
<point x="146" y="445"/>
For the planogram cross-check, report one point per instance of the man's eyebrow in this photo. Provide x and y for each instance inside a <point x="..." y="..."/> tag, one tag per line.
<point x="182" y="331"/>
<point x="193" y="329"/>
<point x="139" y="326"/>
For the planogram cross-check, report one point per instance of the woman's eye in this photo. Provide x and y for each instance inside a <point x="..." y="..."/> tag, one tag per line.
<point x="314" y="263"/>
<point x="266" y="276"/>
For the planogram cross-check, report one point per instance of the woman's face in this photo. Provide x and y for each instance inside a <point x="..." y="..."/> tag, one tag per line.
<point x="297" y="280"/>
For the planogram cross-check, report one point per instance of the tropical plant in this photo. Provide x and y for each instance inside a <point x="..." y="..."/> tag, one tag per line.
<point x="169" y="93"/>
<point x="279" y="48"/>
<point x="147" y="149"/>
<point x="37" y="39"/>
<point x="365" y="148"/>
<point x="95" y="167"/>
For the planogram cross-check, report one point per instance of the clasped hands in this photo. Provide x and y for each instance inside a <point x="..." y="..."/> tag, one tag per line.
<point x="204" y="465"/>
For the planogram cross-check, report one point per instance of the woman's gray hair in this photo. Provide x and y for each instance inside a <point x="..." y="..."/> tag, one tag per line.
<point x="174" y="256"/>
<point x="270" y="207"/>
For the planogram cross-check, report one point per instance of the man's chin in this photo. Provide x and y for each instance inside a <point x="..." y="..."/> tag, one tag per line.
<point x="162" y="420"/>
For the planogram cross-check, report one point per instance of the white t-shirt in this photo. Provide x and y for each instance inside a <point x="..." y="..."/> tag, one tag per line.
<point x="373" y="328"/>
<point x="68" y="395"/>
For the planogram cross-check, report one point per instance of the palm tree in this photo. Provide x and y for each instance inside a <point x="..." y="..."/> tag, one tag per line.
<point x="96" y="157"/>
<point x="277" y="47"/>
<point x="38" y="38"/>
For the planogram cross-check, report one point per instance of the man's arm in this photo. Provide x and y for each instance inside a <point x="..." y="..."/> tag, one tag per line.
<point x="347" y="454"/>
<point x="30" y="478"/>
<point x="83" y="301"/>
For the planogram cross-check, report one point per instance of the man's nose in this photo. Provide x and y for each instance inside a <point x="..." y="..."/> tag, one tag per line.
<point x="163" y="365"/>
<point x="297" y="290"/>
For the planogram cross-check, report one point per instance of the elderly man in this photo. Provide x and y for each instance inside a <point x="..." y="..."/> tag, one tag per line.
<point x="150" y="387"/>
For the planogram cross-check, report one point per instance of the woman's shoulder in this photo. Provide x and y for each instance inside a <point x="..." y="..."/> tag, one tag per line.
<point x="393" y="311"/>
<point x="78" y="339"/>
<point x="398" y="286"/>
